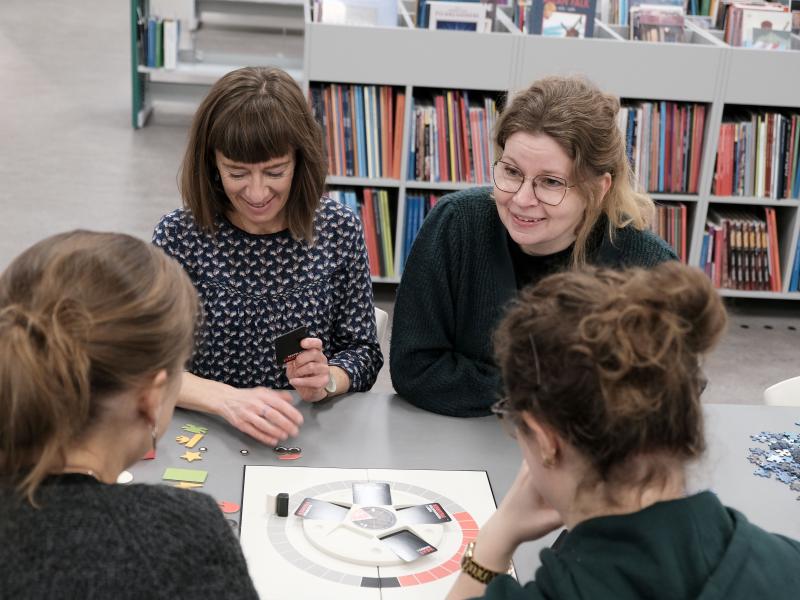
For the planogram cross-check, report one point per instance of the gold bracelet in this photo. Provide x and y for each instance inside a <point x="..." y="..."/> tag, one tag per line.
<point x="476" y="571"/>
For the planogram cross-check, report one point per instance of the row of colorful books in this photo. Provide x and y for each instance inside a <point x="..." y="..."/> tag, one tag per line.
<point x="758" y="154"/>
<point x="363" y="127"/>
<point x="740" y="250"/>
<point x="451" y="138"/>
<point x="669" y="224"/>
<point x="417" y="208"/>
<point x="377" y="218"/>
<point x="665" y="144"/>
<point x="158" y="41"/>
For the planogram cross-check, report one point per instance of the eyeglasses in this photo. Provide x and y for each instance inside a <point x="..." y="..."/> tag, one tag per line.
<point x="548" y="189"/>
<point x="507" y="420"/>
<point x="500" y="408"/>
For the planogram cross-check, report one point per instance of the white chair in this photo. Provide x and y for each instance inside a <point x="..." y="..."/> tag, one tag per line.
<point x="381" y="322"/>
<point x="783" y="393"/>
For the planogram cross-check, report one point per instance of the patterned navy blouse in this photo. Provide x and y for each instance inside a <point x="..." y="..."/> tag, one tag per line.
<point x="256" y="287"/>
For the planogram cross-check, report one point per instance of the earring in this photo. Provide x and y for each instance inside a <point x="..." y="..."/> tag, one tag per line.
<point x="154" y="433"/>
<point x="548" y="461"/>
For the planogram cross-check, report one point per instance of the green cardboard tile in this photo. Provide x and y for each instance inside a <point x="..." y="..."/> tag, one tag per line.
<point x="193" y="475"/>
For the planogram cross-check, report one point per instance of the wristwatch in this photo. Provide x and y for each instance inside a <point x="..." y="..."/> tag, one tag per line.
<point x="331" y="387"/>
<point x="473" y="569"/>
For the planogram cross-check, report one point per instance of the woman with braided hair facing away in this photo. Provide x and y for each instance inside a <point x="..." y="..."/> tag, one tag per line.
<point x="602" y="379"/>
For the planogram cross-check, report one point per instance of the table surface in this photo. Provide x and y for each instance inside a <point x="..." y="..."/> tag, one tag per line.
<point x="384" y="431"/>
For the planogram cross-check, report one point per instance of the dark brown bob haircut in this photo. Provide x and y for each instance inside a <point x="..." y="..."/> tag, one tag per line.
<point x="616" y="366"/>
<point x="252" y="115"/>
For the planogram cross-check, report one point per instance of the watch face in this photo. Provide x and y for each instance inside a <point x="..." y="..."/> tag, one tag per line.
<point x="331" y="387"/>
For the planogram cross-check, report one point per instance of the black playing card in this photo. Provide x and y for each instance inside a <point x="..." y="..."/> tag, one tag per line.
<point x="424" y="513"/>
<point x="287" y="346"/>
<point x="407" y="545"/>
<point x="320" y="510"/>
<point x="372" y="493"/>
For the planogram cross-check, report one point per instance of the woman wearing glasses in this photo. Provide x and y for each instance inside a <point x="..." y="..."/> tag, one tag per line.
<point x="268" y="254"/>
<point x="602" y="377"/>
<point x="562" y="198"/>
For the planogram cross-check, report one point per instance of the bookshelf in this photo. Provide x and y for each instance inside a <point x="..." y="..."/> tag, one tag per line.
<point x="701" y="70"/>
<point x="227" y="34"/>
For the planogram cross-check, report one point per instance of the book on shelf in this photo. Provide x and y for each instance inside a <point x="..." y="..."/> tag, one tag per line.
<point x="460" y="16"/>
<point x="664" y="141"/>
<point x="562" y="18"/>
<point x="451" y="137"/>
<point x="765" y="25"/>
<point x="670" y="224"/>
<point x="372" y="206"/>
<point x="654" y="23"/>
<point x="758" y="154"/>
<point x="794" y="281"/>
<point x="418" y="205"/>
<point x="362" y="127"/>
<point x="365" y="13"/>
<point x="740" y="249"/>
<point x="618" y="12"/>
<point x="424" y="13"/>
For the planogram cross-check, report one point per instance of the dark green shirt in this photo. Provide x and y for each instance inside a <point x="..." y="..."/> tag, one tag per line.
<point x="458" y="278"/>
<point x="689" y="548"/>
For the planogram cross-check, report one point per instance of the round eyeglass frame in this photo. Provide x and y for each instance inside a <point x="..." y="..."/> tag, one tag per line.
<point x="533" y="183"/>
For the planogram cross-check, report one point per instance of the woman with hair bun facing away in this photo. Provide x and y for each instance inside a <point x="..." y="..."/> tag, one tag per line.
<point x="601" y="371"/>
<point x="95" y="329"/>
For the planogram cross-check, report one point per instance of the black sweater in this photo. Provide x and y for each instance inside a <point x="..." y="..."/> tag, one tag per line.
<point x="456" y="282"/>
<point x="92" y="540"/>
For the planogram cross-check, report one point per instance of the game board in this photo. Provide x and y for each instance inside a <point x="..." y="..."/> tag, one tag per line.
<point x="334" y="556"/>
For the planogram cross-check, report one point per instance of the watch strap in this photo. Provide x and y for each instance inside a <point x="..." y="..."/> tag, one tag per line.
<point x="478" y="572"/>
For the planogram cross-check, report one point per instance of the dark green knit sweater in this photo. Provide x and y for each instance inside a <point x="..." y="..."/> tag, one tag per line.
<point x="692" y="548"/>
<point x="456" y="283"/>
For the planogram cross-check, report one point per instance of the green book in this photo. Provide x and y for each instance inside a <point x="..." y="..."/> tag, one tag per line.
<point x="160" y="43"/>
<point x="193" y="475"/>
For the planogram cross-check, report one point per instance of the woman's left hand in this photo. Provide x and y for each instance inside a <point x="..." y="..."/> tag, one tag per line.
<point x="309" y="373"/>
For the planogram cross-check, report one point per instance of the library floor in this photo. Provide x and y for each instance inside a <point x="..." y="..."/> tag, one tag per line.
<point x="70" y="159"/>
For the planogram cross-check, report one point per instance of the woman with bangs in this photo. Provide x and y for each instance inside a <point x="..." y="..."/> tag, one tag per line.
<point x="268" y="253"/>
<point x="562" y="198"/>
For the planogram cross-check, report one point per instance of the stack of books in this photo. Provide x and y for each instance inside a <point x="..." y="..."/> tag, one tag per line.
<point x="418" y="205"/>
<point x="758" y="154"/>
<point x="654" y="23"/>
<point x="363" y="126"/>
<point x="757" y="24"/>
<point x="740" y="250"/>
<point x="670" y="225"/>
<point x="665" y="144"/>
<point x="157" y="41"/>
<point x="451" y="138"/>
<point x="377" y="218"/>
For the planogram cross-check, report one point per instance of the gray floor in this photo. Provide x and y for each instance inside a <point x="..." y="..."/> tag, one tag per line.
<point x="70" y="159"/>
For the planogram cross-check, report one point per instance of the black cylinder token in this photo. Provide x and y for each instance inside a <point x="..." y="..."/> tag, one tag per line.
<point x="282" y="505"/>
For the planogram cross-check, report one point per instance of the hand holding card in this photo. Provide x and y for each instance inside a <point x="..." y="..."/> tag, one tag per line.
<point x="309" y="372"/>
<point x="287" y="346"/>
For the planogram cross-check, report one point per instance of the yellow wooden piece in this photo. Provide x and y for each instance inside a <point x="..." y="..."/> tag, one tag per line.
<point x="182" y="439"/>
<point x="195" y="438"/>
<point x="188" y="485"/>
<point x="192" y="456"/>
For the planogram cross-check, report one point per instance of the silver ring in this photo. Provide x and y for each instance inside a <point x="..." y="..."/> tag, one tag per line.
<point x="264" y="412"/>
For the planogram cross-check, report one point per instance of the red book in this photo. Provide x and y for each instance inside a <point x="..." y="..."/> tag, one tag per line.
<point x="441" y="134"/>
<point x="326" y="94"/>
<point x="772" y="234"/>
<point x="466" y="172"/>
<point x="768" y="154"/>
<point x="399" y="115"/>
<point x="370" y="234"/>
<point x="697" y="146"/>
<point x="684" y="255"/>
